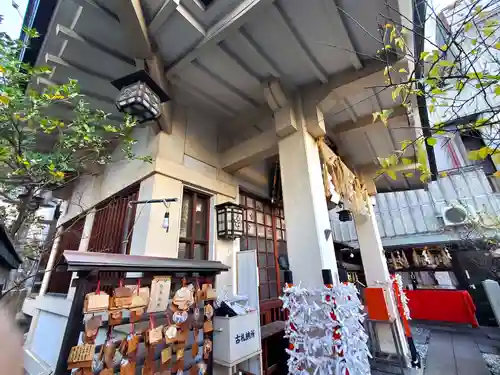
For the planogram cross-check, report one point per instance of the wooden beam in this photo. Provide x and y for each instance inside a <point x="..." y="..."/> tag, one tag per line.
<point x="275" y="95"/>
<point x="207" y="98"/>
<point x="156" y="69"/>
<point x="272" y="68"/>
<point x="69" y="34"/>
<point x="399" y="114"/>
<point x="350" y="111"/>
<point x="188" y="16"/>
<point x="370" y="170"/>
<point x="314" y="65"/>
<point x="223" y="49"/>
<point x="167" y="9"/>
<point x="228" y="24"/>
<point x="250" y="151"/>
<point x="226" y="84"/>
<point x="350" y="81"/>
<point x="131" y="16"/>
<point x="249" y="119"/>
<point x="99" y="7"/>
<point x="340" y="31"/>
<point x="75" y="66"/>
<point x="47" y="82"/>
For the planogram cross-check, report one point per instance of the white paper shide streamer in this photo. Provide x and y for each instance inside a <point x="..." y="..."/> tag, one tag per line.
<point x="325" y="331"/>
<point x="404" y="299"/>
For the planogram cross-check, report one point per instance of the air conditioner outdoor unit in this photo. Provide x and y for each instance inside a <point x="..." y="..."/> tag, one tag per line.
<point x="458" y="215"/>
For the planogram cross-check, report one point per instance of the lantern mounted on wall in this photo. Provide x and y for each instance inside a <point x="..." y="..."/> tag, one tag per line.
<point x="140" y="96"/>
<point x="229" y="220"/>
<point x="345" y="215"/>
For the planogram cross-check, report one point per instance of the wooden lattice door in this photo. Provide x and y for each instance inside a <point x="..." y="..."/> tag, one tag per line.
<point x="264" y="231"/>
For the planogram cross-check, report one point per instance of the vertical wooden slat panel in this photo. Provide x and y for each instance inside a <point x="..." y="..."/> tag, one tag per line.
<point x="109" y="224"/>
<point x="70" y="240"/>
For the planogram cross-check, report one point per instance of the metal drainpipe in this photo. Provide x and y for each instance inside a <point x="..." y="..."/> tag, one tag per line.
<point x="419" y="21"/>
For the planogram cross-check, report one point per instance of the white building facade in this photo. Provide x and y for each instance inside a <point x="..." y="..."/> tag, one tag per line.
<point x="253" y="84"/>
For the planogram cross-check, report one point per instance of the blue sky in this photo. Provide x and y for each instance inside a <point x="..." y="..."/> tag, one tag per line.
<point x="12" y="21"/>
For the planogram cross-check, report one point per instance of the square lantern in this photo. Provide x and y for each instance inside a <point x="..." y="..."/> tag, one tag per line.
<point x="140" y="96"/>
<point x="229" y="220"/>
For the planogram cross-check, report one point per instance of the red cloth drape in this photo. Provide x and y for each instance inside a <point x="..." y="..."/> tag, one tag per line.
<point x="454" y="306"/>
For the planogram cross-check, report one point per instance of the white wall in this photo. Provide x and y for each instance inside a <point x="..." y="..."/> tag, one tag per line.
<point x="187" y="158"/>
<point x="90" y="190"/>
<point x="48" y="336"/>
<point x="483" y="62"/>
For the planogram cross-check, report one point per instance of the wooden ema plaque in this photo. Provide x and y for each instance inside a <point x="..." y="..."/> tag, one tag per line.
<point x="96" y="302"/>
<point x="81" y="356"/>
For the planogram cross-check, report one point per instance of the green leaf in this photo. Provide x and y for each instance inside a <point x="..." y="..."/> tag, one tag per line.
<point x="489" y="31"/>
<point x="408" y="174"/>
<point x="432" y="108"/>
<point x="459" y="85"/>
<point x="375" y="115"/>
<point x="444" y="48"/>
<point x="110" y="128"/>
<point x="473" y="155"/>
<point x="468" y="26"/>
<point x="437" y="91"/>
<point x="475" y="75"/>
<point x="424" y="55"/>
<point x="406" y="161"/>
<point x="405" y="144"/>
<point x="473" y="41"/>
<point x="391" y="174"/>
<point x="431" y="141"/>
<point x="483" y="152"/>
<point x="497" y="90"/>
<point x="446" y="63"/>
<point x="403" y="70"/>
<point x="395" y="93"/>
<point x="393" y="160"/>
<point x="497" y="45"/>
<point x="434" y="72"/>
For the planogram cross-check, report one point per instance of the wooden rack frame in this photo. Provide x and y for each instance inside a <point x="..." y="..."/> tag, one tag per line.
<point x="91" y="266"/>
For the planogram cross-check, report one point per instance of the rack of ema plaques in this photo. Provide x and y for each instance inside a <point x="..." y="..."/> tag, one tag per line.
<point x="237" y="340"/>
<point x="160" y="321"/>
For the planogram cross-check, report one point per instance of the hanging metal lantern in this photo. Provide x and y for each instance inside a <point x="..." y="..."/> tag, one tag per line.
<point x="140" y="96"/>
<point x="229" y="220"/>
<point x="345" y="215"/>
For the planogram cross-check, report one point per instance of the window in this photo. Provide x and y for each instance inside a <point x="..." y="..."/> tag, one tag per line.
<point x="264" y="231"/>
<point x="473" y="141"/>
<point x="193" y="241"/>
<point x="109" y="222"/>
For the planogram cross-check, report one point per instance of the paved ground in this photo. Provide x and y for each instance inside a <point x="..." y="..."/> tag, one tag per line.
<point x="451" y="350"/>
<point x="454" y="354"/>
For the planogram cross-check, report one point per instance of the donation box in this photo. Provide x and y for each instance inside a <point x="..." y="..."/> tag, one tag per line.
<point x="236" y="338"/>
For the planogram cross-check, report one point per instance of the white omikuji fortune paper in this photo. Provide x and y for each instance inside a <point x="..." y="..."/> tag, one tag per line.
<point x="402" y="294"/>
<point x="325" y="331"/>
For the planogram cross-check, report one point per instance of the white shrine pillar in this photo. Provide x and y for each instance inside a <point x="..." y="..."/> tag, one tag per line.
<point x="377" y="276"/>
<point x="309" y="249"/>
